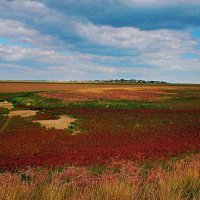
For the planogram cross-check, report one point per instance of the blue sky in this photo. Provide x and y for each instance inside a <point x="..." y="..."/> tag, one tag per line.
<point x="100" y="39"/>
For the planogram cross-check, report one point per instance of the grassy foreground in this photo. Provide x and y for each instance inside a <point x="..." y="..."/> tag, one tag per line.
<point x="120" y="181"/>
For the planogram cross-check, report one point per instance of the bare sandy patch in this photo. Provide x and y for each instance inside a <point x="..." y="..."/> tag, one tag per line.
<point x="6" y="104"/>
<point x="61" y="123"/>
<point x="22" y="113"/>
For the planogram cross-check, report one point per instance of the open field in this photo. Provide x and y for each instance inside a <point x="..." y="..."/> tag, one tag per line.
<point x="40" y="86"/>
<point x="156" y="128"/>
<point x="32" y="86"/>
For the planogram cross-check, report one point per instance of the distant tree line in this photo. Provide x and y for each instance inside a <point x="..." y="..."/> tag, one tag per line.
<point x="123" y="81"/>
<point x="88" y="81"/>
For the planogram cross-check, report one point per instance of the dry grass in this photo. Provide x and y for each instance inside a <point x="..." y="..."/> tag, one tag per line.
<point x="180" y="181"/>
<point x="6" y="105"/>
<point x="22" y="113"/>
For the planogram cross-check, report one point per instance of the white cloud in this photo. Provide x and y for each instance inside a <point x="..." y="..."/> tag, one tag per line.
<point x="133" y="38"/>
<point x="17" y="53"/>
<point x="12" y="28"/>
<point x="170" y="61"/>
<point x="29" y="10"/>
<point x="17" y="32"/>
<point x="33" y="22"/>
<point x="160" y="48"/>
<point x="50" y="65"/>
<point x="49" y="62"/>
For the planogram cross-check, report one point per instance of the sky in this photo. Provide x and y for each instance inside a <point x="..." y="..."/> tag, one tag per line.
<point x="100" y="39"/>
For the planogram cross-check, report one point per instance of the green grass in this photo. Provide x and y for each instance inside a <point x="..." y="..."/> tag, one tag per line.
<point x="4" y="111"/>
<point x="34" y="101"/>
<point x="184" y="99"/>
<point x="166" y="164"/>
<point x="96" y="170"/>
<point x="2" y="120"/>
<point x="122" y="104"/>
<point x="10" y="96"/>
<point x="187" y="98"/>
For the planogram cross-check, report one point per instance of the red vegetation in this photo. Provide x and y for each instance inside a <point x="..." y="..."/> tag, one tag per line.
<point x="46" y="116"/>
<point x="128" y="94"/>
<point x="108" y="134"/>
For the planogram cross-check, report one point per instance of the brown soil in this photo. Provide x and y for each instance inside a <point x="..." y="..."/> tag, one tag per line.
<point x="22" y="113"/>
<point x="6" y="104"/>
<point x="61" y="123"/>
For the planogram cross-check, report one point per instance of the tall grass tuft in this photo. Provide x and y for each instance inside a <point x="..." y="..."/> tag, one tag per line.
<point x="121" y="181"/>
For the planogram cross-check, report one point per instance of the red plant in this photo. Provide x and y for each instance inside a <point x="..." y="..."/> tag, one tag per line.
<point x="108" y="134"/>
